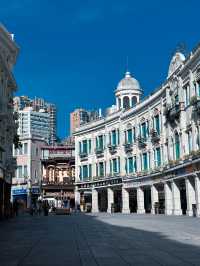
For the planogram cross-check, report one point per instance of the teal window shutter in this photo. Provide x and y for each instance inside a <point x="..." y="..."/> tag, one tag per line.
<point x="158" y="156"/>
<point x="110" y="166"/>
<point x="130" y="164"/>
<point x="96" y="142"/>
<point x="85" y="150"/>
<point x="130" y="136"/>
<point x="157" y="122"/>
<point x="90" y="145"/>
<point x="145" y="163"/>
<point x="114" y="165"/>
<point x="101" y="142"/>
<point x="90" y="171"/>
<point x="177" y="146"/>
<point x="80" y="173"/>
<point x="126" y="166"/>
<point x="114" y="140"/>
<point x="135" y="164"/>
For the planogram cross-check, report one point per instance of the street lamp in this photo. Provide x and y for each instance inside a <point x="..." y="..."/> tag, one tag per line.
<point x="29" y="194"/>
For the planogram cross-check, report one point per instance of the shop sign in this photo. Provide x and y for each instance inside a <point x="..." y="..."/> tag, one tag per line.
<point x="35" y="190"/>
<point x="19" y="191"/>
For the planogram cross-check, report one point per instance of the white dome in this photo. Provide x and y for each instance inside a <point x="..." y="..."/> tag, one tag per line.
<point x="128" y="83"/>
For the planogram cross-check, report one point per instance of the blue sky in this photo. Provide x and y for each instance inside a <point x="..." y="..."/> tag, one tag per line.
<point x="73" y="53"/>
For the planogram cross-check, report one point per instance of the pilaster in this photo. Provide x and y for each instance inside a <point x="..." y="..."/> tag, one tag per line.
<point x="125" y="201"/>
<point x="140" y="201"/>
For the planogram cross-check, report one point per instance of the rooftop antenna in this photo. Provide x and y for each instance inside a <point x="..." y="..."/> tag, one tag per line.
<point x="127" y="63"/>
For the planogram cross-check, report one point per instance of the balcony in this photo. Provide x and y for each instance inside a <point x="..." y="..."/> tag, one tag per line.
<point x="99" y="151"/>
<point x="155" y="137"/>
<point x="173" y="112"/>
<point x="195" y="102"/>
<point x="141" y="142"/>
<point x="112" y="148"/>
<point x="83" y="156"/>
<point x="128" y="147"/>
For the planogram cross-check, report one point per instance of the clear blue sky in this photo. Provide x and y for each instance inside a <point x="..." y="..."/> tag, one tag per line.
<point x="73" y="53"/>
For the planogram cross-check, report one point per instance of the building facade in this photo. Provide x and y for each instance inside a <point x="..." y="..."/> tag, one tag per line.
<point x="21" y="102"/>
<point x="8" y="54"/>
<point x="33" y="131"/>
<point x="144" y="155"/>
<point x="58" y="173"/>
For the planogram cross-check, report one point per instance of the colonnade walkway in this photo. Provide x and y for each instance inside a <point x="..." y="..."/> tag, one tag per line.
<point x="100" y="239"/>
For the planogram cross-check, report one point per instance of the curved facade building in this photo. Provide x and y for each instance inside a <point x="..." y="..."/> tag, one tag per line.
<point x="144" y="155"/>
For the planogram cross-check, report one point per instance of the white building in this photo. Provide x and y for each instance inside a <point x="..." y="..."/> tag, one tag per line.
<point x="33" y="131"/>
<point x="144" y="156"/>
<point x="8" y="54"/>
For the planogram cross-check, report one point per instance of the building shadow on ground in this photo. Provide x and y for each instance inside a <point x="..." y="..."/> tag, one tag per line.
<point x="82" y="239"/>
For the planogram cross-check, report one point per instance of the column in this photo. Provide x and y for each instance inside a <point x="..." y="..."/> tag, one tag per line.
<point x="176" y="199"/>
<point x="168" y="198"/>
<point x="110" y="199"/>
<point x="77" y="198"/>
<point x="197" y="194"/>
<point x="154" y="198"/>
<point x="190" y="195"/>
<point x="140" y="201"/>
<point x="125" y="201"/>
<point x="95" y="204"/>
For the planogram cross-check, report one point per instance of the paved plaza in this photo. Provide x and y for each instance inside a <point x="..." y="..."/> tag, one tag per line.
<point x="101" y="239"/>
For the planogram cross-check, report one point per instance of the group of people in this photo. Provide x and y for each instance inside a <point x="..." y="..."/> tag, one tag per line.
<point x="38" y="206"/>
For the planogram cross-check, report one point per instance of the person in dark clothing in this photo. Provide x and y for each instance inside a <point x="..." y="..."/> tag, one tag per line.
<point x="15" y="207"/>
<point x="46" y="208"/>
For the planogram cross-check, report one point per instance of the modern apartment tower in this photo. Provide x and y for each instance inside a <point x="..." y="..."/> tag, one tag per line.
<point x="37" y="104"/>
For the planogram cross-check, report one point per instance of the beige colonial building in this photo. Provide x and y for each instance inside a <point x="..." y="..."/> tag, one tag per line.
<point x="8" y="54"/>
<point x="144" y="154"/>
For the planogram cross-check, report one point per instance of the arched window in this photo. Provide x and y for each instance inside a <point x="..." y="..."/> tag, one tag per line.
<point x="126" y="102"/>
<point x="134" y="100"/>
<point x="177" y="146"/>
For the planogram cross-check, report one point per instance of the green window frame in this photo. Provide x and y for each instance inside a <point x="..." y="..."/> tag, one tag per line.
<point x="177" y="146"/>
<point x="158" y="156"/>
<point x="130" y="165"/>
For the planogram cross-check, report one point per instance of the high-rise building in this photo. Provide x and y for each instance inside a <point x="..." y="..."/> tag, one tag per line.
<point x="77" y="118"/>
<point x="81" y="116"/>
<point x="8" y="54"/>
<point x="33" y="131"/>
<point x="20" y="102"/>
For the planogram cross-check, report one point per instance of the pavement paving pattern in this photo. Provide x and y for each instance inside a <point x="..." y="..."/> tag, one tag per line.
<point x="100" y="239"/>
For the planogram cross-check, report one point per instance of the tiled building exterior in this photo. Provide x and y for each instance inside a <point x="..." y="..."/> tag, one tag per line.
<point x="8" y="55"/>
<point x="144" y="156"/>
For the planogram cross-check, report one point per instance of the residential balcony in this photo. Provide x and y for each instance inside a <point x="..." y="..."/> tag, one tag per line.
<point x="112" y="148"/>
<point x="99" y="151"/>
<point x="83" y="156"/>
<point x="155" y="137"/>
<point x="128" y="147"/>
<point x="141" y="142"/>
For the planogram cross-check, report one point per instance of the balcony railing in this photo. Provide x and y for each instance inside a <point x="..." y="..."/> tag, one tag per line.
<point x="173" y="112"/>
<point x="99" y="151"/>
<point x="195" y="101"/>
<point x="69" y="181"/>
<point x="112" y="148"/>
<point x="141" y="142"/>
<point x="155" y="137"/>
<point x="128" y="147"/>
<point x="83" y="155"/>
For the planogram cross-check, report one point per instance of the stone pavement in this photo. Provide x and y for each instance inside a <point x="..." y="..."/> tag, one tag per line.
<point x="101" y="239"/>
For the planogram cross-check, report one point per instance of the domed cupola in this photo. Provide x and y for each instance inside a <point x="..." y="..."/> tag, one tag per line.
<point x="128" y="92"/>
